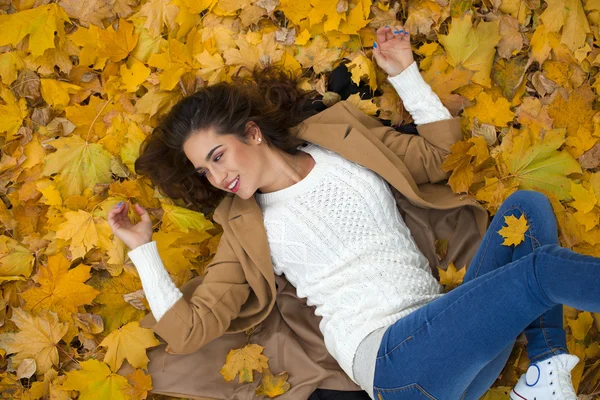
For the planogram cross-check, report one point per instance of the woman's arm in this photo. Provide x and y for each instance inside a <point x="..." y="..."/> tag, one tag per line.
<point x="185" y="323"/>
<point x="419" y="99"/>
<point x="394" y="55"/>
<point x="159" y="288"/>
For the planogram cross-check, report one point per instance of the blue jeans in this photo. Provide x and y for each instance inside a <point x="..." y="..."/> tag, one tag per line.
<point x="457" y="345"/>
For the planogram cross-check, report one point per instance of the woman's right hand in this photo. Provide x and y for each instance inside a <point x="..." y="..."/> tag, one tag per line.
<point x="132" y="235"/>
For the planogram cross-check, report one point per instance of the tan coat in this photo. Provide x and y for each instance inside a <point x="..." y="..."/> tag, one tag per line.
<point x="240" y="289"/>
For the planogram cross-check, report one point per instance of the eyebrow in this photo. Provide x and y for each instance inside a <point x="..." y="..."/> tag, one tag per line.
<point x="210" y="153"/>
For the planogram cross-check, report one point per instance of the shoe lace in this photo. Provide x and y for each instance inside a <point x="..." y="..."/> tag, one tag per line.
<point x="565" y="385"/>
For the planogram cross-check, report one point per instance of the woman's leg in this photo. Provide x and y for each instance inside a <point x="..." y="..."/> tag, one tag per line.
<point x="437" y="351"/>
<point x="545" y="335"/>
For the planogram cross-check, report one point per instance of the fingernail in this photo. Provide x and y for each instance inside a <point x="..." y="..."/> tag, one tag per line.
<point x="401" y="30"/>
<point x="374" y="45"/>
<point x="396" y="32"/>
<point x="406" y="32"/>
<point x="119" y="205"/>
<point x="387" y="26"/>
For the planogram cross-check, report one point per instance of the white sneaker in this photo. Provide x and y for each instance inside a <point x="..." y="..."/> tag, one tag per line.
<point x="548" y="379"/>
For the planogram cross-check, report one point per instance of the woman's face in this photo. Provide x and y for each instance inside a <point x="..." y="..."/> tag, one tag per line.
<point x="224" y="158"/>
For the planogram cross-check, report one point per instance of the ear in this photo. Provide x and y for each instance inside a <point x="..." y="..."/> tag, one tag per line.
<point x="252" y="132"/>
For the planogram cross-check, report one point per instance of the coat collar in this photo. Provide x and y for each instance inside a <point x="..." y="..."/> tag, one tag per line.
<point x="355" y="145"/>
<point x="360" y="146"/>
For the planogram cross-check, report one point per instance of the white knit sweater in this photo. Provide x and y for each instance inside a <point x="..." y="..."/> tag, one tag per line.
<point x="340" y="240"/>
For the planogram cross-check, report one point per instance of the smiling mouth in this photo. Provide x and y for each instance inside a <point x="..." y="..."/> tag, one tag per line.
<point x="233" y="184"/>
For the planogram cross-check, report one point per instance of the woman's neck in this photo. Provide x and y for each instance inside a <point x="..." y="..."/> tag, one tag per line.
<point x="304" y="164"/>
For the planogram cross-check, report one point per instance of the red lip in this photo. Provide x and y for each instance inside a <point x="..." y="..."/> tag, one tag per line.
<point x="230" y="182"/>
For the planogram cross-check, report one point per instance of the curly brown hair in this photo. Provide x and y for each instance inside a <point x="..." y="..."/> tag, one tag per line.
<point x="271" y="97"/>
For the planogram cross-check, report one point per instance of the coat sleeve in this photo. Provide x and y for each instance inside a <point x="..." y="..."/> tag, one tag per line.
<point x="189" y="325"/>
<point x="423" y="154"/>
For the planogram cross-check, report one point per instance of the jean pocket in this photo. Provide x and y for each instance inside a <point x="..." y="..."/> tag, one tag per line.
<point x="414" y="391"/>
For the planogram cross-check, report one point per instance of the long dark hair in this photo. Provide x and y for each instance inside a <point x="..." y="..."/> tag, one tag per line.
<point x="271" y="97"/>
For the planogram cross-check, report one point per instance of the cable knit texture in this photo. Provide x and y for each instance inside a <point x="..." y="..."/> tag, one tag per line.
<point x="417" y="96"/>
<point x="159" y="288"/>
<point x="339" y="238"/>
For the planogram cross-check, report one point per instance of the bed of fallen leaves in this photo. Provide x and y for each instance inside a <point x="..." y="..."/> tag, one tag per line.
<point x="84" y="82"/>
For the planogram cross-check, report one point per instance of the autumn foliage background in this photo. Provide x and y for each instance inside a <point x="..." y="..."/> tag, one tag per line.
<point x="84" y="82"/>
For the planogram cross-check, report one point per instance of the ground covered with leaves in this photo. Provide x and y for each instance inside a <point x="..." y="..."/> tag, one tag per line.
<point x="84" y="82"/>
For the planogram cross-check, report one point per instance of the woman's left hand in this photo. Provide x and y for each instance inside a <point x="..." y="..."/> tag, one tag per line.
<point x="392" y="49"/>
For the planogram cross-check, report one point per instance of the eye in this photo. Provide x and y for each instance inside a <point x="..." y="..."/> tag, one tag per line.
<point x="216" y="159"/>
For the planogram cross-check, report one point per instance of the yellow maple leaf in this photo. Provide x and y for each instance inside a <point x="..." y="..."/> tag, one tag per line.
<point x="473" y="48"/>
<point x="84" y="232"/>
<point x="569" y="15"/>
<point x="444" y="80"/>
<point x="212" y="67"/>
<point x="175" y="60"/>
<point x="589" y="220"/>
<point x="134" y="75"/>
<point x="80" y="163"/>
<point x="10" y="64"/>
<point x="116" y="45"/>
<point x="422" y="14"/>
<point x="56" y="93"/>
<point x="39" y="23"/>
<point x="111" y="305"/>
<point x="540" y="44"/>
<point x="514" y="231"/>
<point x="581" y="326"/>
<point x="272" y="385"/>
<point x="95" y="381"/>
<point x="580" y="142"/>
<point x="329" y="9"/>
<point x="362" y="66"/>
<point x="367" y="105"/>
<point x="128" y="342"/>
<point x="88" y="11"/>
<point x="184" y="219"/>
<point x="244" y="361"/>
<point x="142" y="383"/>
<point x="12" y="113"/>
<point x="575" y="111"/>
<point x="159" y="13"/>
<point x="539" y="165"/>
<point x="16" y="261"/>
<point x="584" y="199"/>
<point x="488" y="111"/>
<point x="295" y="10"/>
<point x="318" y="55"/>
<point x="357" y="18"/>
<point x="37" y="338"/>
<point x="61" y="289"/>
<point x="495" y="191"/>
<point x="452" y="277"/>
<point x="459" y="162"/>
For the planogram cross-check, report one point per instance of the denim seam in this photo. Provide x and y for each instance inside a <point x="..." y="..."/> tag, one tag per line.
<point x="406" y="387"/>
<point x="554" y="350"/>
<point x="400" y="344"/>
<point x="542" y="327"/>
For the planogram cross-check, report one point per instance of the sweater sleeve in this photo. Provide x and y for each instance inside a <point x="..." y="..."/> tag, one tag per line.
<point x="159" y="288"/>
<point x="419" y="99"/>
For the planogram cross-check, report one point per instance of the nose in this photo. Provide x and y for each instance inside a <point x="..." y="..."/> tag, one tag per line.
<point x="220" y="178"/>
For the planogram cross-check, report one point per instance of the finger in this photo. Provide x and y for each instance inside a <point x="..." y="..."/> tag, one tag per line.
<point x="142" y="212"/>
<point x="379" y="56"/>
<point x="381" y="34"/>
<point x="389" y="35"/>
<point x="114" y="210"/>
